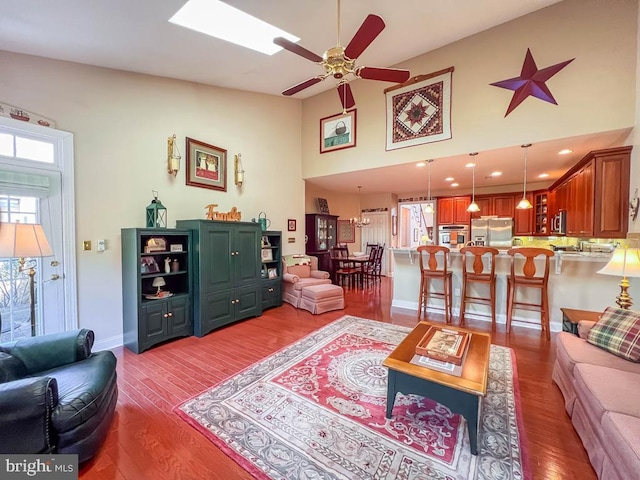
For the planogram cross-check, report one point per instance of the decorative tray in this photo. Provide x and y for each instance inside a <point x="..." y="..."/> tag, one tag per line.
<point x="157" y="297"/>
<point x="444" y="344"/>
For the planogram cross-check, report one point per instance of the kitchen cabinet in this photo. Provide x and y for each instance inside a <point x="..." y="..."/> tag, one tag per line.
<point x="322" y="234"/>
<point x="227" y="264"/>
<point x="523" y="221"/>
<point x="595" y="194"/>
<point x="453" y="210"/>
<point x="148" y="318"/>
<point x="501" y="205"/>
<point x="271" y="271"/>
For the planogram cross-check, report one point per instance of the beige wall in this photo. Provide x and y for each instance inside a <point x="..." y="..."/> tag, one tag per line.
<point x="596" y="92"/>
<point x="120" y="123"/>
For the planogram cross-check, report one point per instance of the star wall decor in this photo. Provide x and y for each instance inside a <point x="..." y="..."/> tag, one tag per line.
<point x="531" y="82"/>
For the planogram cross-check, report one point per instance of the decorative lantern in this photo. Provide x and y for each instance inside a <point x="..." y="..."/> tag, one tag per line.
<point x="156" y="213"/>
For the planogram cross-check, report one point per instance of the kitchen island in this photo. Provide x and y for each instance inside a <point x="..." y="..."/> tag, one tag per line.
<point x="573" y="283"/>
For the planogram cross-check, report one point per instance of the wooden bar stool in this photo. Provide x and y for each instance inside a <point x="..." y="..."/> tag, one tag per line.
<point x="434" y="266"/>
<point x="523" y="274"/>
<point x="474" y="270"/>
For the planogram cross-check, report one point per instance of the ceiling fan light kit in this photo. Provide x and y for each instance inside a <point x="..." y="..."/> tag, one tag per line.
<point x="339" y="62"/>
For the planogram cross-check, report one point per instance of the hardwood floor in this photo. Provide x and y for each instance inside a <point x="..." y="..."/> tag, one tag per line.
<point x="148" y="441"/>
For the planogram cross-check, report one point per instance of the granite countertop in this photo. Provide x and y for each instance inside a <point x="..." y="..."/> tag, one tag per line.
<point x="560" y="255"/>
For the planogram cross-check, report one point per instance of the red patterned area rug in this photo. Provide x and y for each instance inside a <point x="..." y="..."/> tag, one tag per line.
<point x="316" y="410"/>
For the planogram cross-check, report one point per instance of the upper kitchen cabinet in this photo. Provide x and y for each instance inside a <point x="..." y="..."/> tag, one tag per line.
<point x="595" y="194"/>
<point x="453" y="210"/>
<point x="523" y="221"/>
<point x="502" y="205"/>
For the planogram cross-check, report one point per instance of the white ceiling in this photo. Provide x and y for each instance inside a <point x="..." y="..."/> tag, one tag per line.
<point x="135" y="35"/>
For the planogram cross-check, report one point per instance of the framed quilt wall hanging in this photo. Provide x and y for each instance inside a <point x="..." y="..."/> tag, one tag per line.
<point x="346" y="232"/>
<point x="419" y="110"/>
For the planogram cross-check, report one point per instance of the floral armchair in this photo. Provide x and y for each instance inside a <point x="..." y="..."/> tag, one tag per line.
<point x="300" y="271"/>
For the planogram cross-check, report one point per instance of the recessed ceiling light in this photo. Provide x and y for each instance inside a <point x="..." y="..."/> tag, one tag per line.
<point x="448" y="179"/>
<point x="421" y="164"/>
<point x="225" y="22"/>
<point x="496" y="174"/>
<point x="565" y="151"/>
<point x="454" y="184"/>
<point x="470" y="164"/>
<point x="543" y="175"/>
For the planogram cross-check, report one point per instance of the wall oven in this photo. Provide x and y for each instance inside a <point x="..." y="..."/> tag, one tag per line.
<point x="453" y="235"/>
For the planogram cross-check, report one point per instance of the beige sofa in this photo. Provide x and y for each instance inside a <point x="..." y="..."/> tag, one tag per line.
<point x="601" y="393"/>
<point x="296" y="277"/>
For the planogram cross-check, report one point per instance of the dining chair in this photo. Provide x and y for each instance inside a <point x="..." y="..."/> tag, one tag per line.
<point x="346" y="272"/>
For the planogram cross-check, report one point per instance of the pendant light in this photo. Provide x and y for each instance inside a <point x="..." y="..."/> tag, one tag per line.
<point x="429" y="207"/>
<point x="524" y="203"/>
<point x="473" y="206"/>
<point x="359" y="221"/>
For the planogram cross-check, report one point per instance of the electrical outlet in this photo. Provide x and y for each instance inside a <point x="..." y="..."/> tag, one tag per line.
<point x="86" y="245"/>
<point x="457" y="292"/>
<point x="101" y="246"/>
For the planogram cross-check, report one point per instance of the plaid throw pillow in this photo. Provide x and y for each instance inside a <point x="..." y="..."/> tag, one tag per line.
<point x="618" y="332"/>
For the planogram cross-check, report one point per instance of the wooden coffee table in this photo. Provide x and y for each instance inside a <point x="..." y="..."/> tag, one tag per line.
<point x="460" y="394"/>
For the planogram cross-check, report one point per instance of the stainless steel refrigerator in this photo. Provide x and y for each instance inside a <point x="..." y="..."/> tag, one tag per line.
<point x="492" y="232"/>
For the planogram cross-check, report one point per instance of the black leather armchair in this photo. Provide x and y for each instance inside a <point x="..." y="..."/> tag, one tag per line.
<point x="55" y="395"/>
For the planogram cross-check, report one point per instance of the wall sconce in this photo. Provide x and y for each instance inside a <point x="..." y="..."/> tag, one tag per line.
<point x="173" y="158"/>
<point x="238" y="170"/>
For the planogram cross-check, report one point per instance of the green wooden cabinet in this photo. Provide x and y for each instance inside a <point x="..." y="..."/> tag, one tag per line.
<point x="148" y="321"/>
<point x="271" y="271"/>
<point x="226" y="272"/>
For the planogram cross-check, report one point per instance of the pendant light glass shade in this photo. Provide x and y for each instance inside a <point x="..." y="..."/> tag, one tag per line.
<point x="429" y="207"/>
<point x="524" y="204"/>
<point x="473" y="206"/>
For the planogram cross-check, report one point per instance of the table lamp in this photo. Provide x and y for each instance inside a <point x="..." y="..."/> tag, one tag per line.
<point x="625" y="262"/>
<point x="22" y="241"/>
<point x="159" y="283"/>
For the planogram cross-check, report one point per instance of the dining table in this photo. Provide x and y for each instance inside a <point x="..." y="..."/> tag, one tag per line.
<point x="357" y="260"/>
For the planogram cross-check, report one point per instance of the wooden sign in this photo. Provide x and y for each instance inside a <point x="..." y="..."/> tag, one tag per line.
<point x="232" y="215"/>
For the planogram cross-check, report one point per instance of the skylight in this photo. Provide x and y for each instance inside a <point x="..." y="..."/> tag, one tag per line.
<point x="225" y="22"/>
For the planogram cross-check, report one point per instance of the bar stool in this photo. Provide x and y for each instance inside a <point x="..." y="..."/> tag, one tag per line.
<point x="523" y="274"/>
<point x="433" y="266"/>
<point x="479" y="273"/>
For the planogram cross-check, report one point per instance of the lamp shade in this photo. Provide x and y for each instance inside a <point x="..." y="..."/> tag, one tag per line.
<point x="22" y="240"/>
<point x="158" y="282"/>
<point x="625" y="262"/>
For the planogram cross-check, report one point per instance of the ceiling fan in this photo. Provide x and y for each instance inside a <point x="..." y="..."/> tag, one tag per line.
<point x="339" y="61"/>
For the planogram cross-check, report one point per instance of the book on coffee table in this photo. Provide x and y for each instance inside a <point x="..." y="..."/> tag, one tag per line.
<point x="444" y="344"/>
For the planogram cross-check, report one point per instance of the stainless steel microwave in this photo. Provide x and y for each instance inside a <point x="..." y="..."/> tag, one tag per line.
<point x="559" y="223"/>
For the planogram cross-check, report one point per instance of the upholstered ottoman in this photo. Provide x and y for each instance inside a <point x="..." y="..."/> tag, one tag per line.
<point x="322" y="298"/>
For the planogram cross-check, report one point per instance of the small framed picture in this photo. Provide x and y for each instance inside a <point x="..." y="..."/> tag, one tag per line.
<point x="291" y="225"/>
<point x="273" y="272"/>
<point x="175" y="247"/>
<point x="323" y="205"/>
<point x="148" y="265"/>
<point x="267" y="255"/>
<point x="265" y="241"/>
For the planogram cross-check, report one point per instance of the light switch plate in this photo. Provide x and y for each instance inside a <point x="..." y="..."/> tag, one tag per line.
<point x="86" y="245"/>
<point x="101" y="245"/>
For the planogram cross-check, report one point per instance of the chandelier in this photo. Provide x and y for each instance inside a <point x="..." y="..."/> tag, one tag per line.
<point x="359" y="221"/>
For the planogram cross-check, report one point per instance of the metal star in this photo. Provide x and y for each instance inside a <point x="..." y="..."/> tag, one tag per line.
<point x="531" y="82"/>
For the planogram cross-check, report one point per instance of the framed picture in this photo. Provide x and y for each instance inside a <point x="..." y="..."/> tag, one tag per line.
<point x="291" y="225"/>
<point x="148" y="265"/>
<point x="206" y="165"/>
<point x="267" y="255"/>
<point x="273" y="272"/>
<point x="346" y="232"/>
<point x="175" y="247"/>
<point x="265" y="241"/>
<point x="323" y="206"/>
<point x="338" y="131"/>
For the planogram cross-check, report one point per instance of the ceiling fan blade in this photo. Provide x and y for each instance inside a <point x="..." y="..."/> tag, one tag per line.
<point x="346" y="96"/>
<point x="297" y="49"/>
<point x="301" y="86"/>
<point x="368" y="31"/>
<point x="384" y="74"/>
